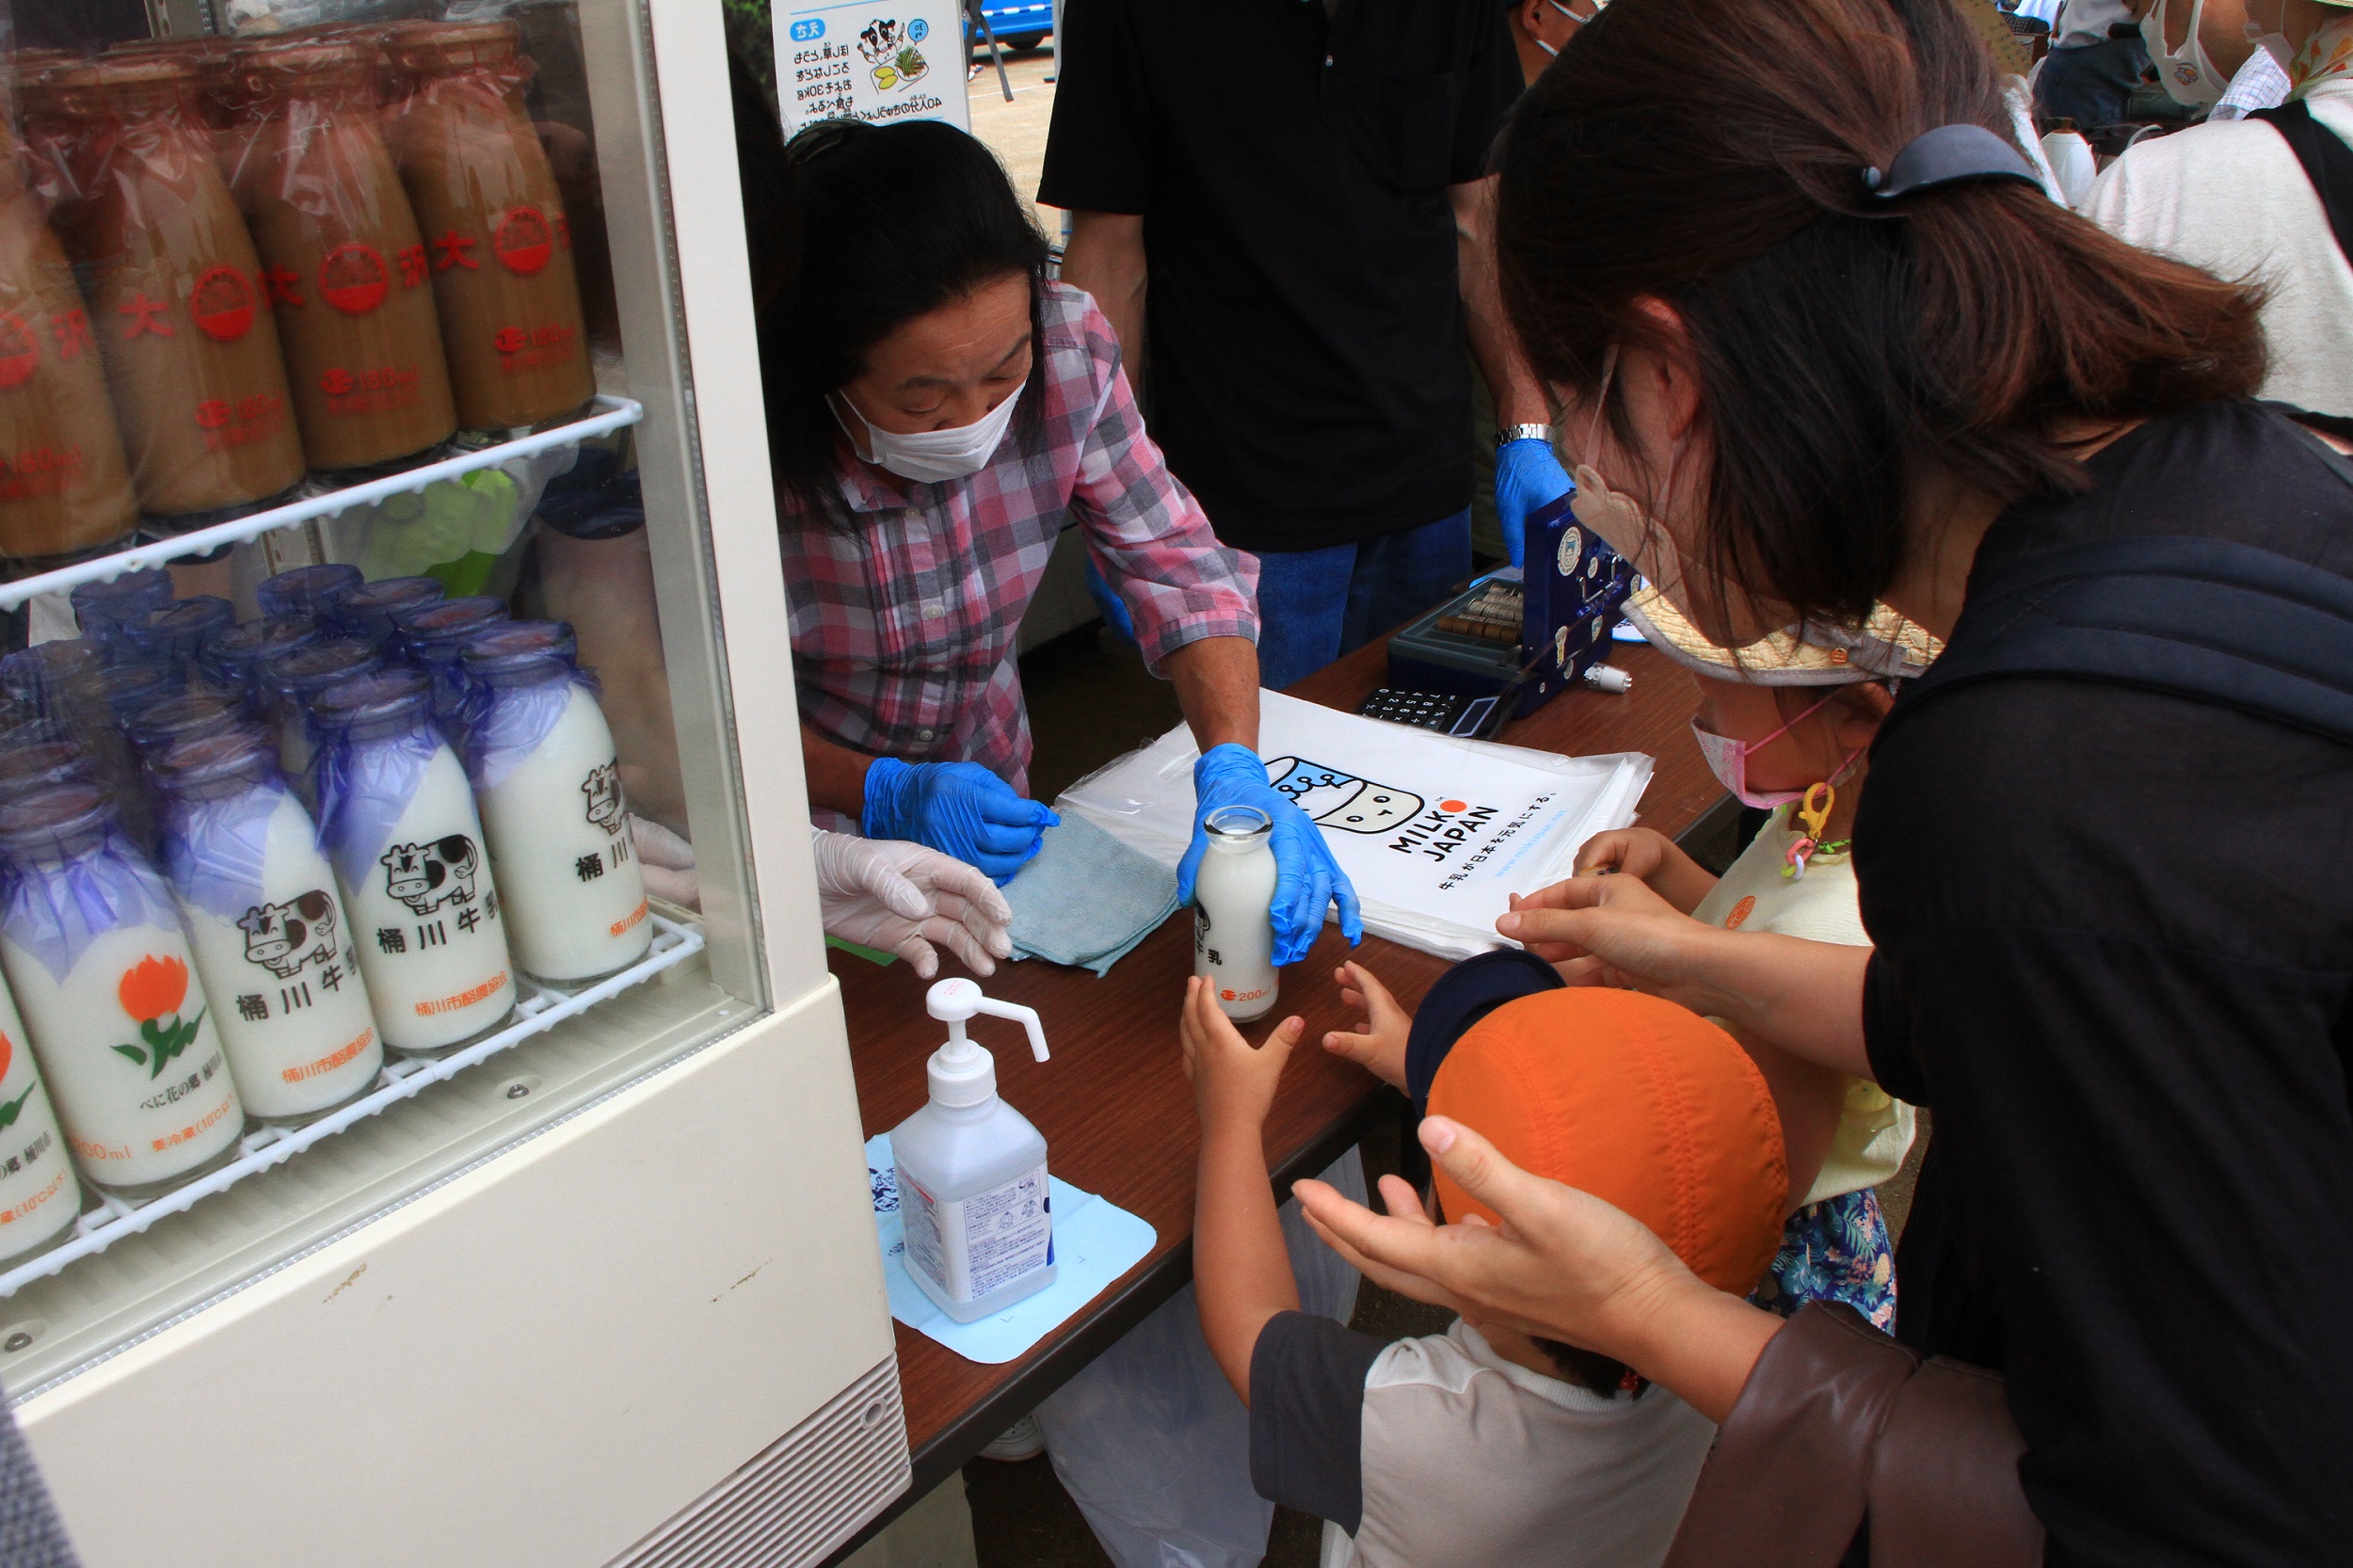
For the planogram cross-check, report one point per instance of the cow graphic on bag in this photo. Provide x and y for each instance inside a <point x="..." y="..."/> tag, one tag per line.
<point x="283" y="938"/>
<point x="426" y="876"/>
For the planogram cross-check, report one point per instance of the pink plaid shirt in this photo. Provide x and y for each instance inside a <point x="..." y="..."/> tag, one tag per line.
<point x="903" y="630"/>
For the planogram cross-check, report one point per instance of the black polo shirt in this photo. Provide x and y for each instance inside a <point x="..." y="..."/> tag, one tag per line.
<point x="1306" y="365"/>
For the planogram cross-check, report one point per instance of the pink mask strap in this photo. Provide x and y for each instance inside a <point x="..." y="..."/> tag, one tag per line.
<point x="1750" y="746"/>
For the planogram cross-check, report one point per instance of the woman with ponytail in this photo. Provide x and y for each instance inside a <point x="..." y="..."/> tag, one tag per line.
<point x="1820" y="344"/>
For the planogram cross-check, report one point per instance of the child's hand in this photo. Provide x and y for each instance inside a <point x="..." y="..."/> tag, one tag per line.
<point x="1380" y="1048"/>
<point x="1649" y="857"/>
<point x="1233" y="1085"/>
<point x="1627" y="851"/>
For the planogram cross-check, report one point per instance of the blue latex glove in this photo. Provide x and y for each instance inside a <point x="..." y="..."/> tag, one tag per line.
<point x="1528" y="475"/>
<point x="959" y="808"/>
<point x="1306" y="878"/>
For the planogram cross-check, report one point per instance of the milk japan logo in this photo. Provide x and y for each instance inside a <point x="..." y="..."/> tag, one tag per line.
<point x="426" y="876"/>
<point x="1336" y="798"/>
<point x="283" y="938"/>
<point x="1444" y="828"/>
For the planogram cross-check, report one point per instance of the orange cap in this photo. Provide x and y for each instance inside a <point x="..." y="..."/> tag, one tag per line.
<point x="1644" y="1104"/>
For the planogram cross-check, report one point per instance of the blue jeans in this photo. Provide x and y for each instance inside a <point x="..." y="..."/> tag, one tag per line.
<point x="1315" y="605"/>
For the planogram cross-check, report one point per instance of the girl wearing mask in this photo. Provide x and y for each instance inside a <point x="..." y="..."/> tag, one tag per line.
<point x="1785" y="725"/>
<point x="1852" y="355"/>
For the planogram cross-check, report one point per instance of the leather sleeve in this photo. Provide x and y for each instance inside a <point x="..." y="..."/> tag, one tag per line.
<point x="1787" y="1485"/>
<point x="1839" y="1424"/>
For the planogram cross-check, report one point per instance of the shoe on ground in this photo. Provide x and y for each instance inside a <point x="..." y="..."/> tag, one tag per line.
<point x="1024" y="1439"/>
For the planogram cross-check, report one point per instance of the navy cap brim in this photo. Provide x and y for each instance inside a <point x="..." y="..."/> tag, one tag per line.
<point x="1459" y="999"/>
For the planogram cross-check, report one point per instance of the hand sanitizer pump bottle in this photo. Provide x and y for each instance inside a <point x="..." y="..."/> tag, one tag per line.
<point x="972" y="1194"/>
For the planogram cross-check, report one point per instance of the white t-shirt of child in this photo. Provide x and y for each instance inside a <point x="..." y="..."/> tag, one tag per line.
<point x="1874" y="1132"/>
<point x="2230" y="195"/>
<point x="1438" y="1454"/>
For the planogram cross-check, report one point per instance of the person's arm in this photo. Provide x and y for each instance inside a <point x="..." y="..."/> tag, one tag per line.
<point x="1804" y="997"/>
<point x="1105" y="257"/>
<point x="835" y="775"/>
<point x="1518" y="397"/>
<point x="1241" y="1274"/>
<point x="1217" y="688"/>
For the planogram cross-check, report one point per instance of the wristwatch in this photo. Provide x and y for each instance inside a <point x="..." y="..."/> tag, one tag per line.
<point x="1506" y="435"/>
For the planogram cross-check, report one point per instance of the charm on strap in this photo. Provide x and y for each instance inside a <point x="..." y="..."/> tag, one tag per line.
<point x="1814" y="812"/>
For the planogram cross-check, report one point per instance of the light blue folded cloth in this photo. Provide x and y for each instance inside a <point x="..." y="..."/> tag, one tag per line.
<point x="1087" y="899"/>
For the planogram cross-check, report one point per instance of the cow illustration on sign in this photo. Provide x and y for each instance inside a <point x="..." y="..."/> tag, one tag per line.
<point x="283" y="938"/>
<point x="889" y="47"/>
<point x="426" y="876"/>
<point x="1336" y="798"/>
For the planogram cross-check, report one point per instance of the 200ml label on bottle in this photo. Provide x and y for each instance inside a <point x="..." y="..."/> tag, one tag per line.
<point x="972" y="1246"/>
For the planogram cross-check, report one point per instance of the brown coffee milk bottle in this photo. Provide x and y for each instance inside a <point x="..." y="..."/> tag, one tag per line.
<point x="64" y="487"/>
<point x="494" y="221"/>
<point x="341" y="260"/>
<point x="176" y="299"/>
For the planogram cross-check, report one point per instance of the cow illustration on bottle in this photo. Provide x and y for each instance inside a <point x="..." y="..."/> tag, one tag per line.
<point x="283" y="938"/>
<point x="604" y="790"/>
<point x="426" y="876"/>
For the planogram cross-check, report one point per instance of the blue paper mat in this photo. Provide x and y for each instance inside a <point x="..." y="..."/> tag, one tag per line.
<point x="1095" y="1242"/>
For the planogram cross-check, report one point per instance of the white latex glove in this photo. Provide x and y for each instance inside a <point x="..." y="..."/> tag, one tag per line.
<point x="668" y="863"/>
<point x="902" y="896"/>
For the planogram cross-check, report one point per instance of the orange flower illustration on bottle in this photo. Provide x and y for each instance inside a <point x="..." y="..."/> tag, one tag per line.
<point x="10" y="1110"/>
<point x="149" y="990"/>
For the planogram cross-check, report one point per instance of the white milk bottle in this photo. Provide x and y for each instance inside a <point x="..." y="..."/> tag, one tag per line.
<point x="293" y="678"/>
<point x="971" y="1171"/>
<point x="119" y="1020"/>
<point x="401" y="829"/>
<point x="273" y="944"/>
<point x="39" y="1195"/>
<point x="1233" y="897"/>
<point x="549" y="788"/>
<point x="432" y="636"/>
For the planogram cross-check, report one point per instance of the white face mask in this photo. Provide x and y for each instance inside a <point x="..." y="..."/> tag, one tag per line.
<point x="2190" y="79"/>
<point x="928" y="456"/>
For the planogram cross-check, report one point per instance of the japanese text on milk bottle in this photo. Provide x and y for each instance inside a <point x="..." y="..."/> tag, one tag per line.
<point x="272" y="941"/>
<point x="1233" y="936"/>
<point x="483" y="191"/>
<point x="549" y="788"/>
<point x="342" y="261"/>
<point x="100" y="966"/>
<point x="401" y="829"/>
<point x="39" y="1196"/>
<point x="175" y="285"/>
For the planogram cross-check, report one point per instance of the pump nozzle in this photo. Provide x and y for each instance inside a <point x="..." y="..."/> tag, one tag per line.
<point x="962" y="1071"/>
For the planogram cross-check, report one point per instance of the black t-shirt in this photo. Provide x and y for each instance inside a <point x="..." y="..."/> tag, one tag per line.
<point x="1305" y="326"/>
<point x="2113" y="936"/>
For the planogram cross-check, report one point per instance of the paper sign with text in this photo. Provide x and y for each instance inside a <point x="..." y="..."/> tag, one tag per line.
<point x="876" y="60"/>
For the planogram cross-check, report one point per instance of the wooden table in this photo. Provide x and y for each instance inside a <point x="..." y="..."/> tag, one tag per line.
<point x="1113" y="1102"/>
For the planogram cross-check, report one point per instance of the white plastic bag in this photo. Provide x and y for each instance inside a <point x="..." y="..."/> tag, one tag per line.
<point x="1150" y="1440"/>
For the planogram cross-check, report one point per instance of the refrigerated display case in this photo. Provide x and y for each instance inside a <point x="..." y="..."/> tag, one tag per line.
<point x="599" y="1285"/>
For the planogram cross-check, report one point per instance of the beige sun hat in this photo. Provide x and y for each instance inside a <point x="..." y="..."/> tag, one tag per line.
<point x="1885" y="646"/>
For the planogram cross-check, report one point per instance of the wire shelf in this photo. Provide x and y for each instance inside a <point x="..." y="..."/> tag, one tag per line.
<point x="615" y="413"/>
<point x="541" y="1009"/>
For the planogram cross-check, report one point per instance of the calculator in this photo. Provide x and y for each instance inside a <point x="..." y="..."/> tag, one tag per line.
<point x="1447" y="713"/>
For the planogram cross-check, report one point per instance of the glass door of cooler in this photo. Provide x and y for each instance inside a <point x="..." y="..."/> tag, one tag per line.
<point x="386" y="511"/>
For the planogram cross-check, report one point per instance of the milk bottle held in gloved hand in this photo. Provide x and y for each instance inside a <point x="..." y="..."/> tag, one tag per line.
<point x="1233" y="933"/>
<point x="972" y="1172"/>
